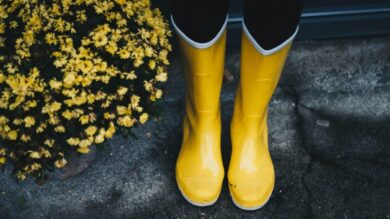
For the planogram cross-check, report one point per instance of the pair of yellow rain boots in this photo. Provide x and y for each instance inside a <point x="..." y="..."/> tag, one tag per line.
<point x="199" y="167"/>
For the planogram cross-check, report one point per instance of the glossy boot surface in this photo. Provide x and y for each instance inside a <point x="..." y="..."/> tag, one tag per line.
<point x="199" y="167"/>
<point x="251" y="173"/>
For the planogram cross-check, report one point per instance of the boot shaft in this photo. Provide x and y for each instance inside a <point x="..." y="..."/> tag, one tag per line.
<point x="259" y="77"/>
<point x="203" y="73"/>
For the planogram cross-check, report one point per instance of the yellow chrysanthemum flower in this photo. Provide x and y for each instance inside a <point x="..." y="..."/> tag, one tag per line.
<point x="100" y="39"/>
<point x="60" y="163"/>
<point x="35" y="155"/>
<point x="73" y="141"/>
<point x="29" y="121"/>
<point x="91" y="130"/>
<point x="2" y="160"/>
<point x="143" y="118"/>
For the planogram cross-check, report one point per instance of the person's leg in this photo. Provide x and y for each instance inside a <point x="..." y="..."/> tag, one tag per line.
<point x="269" y="28"/>
<point x="199" y="20"/>
<point x="200" y="26"/>
<point x="271" y="22"/>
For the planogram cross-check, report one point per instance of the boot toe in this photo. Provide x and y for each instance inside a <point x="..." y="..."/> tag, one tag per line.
<point x="200" y="191"/>
<point x="250" y="195"/>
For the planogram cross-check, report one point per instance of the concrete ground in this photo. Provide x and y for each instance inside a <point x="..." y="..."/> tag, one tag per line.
<point x="329" y="138"/>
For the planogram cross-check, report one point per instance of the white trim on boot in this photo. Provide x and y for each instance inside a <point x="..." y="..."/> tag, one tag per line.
<point x="267" y="51"/>
<point x="197" y="44"/>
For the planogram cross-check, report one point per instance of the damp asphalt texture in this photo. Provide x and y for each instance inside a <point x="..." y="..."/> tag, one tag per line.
<point x="329" y="138"/>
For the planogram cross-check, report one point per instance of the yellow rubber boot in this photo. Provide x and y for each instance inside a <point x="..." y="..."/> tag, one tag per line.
<point x="251" y="173"/>
<point x="199" y="167"/>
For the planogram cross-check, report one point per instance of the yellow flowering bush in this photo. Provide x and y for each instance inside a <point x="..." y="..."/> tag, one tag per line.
<point x="72" y="72"/>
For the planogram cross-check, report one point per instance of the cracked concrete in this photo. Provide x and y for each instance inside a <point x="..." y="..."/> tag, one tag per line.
<point x="329" y="123"/>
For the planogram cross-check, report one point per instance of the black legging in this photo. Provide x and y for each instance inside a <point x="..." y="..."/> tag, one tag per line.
<point x="270" y="22"/>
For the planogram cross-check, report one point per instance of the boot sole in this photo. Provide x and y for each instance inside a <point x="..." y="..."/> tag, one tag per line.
<point x="249" y="208"/>
<point x="197" y="204"/>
